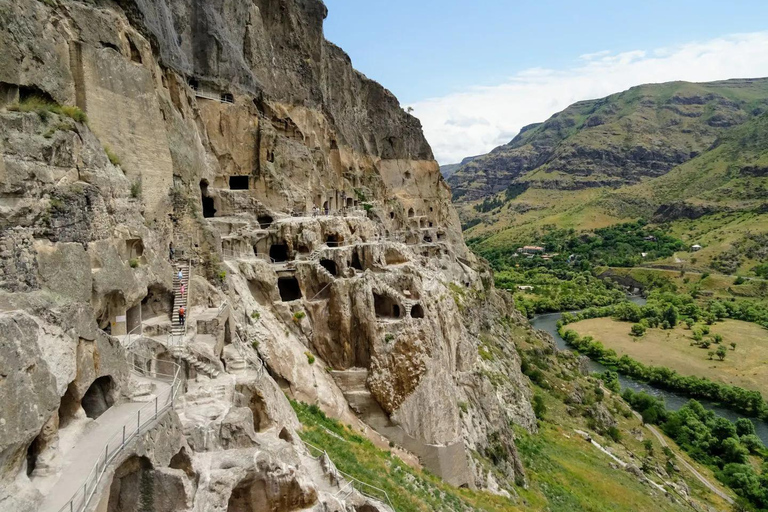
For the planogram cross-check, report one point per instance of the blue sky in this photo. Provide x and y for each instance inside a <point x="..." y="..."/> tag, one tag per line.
<point x="425" y="50"/>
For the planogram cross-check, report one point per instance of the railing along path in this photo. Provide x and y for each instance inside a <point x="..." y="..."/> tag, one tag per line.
<point x="145" y="418"/>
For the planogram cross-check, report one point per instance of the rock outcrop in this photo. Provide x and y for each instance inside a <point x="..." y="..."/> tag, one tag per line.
<point x="315" y="232"/>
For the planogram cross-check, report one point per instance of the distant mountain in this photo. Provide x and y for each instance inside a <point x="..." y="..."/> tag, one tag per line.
<point x="448" y="169"/>
<point x="619" y="140"/>
<point x="691" y="156"/>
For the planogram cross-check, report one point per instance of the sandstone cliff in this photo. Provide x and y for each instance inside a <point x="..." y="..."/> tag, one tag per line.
<point x="215" y="133"/>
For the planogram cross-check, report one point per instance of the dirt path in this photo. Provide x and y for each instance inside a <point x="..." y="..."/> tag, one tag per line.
<point x="685" y="463"/>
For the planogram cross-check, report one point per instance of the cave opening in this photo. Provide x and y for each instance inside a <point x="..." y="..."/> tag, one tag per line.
<point x="69" y="406"/>
<point x="265" y="221"/>
<point x="289" y="289"/>
<point x="278" y="252"/>
<point x="330" y="266"/>
<point x="417" y="311"/>
<point x="333" y="240"/>
<point x="385" y="306"/>
<point x="135" y="53"/>
<point x="411" y="213"/>
<point x="132" y="487"/>
<point x="350" y="202"/>
<point x="239" y="183"/>
<point x="208" y="207"/>
<point x="33" y="452"/>
<point x="99" y="397"/>
<point x="356" y="264"/>
<point x="227" y="97"/>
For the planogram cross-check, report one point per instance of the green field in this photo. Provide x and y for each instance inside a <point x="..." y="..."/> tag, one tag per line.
<point x="746" y="367"/>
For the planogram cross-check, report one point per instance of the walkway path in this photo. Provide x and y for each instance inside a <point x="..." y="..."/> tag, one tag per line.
<point x="685" y="463"/>
<point x="90" y="447"/>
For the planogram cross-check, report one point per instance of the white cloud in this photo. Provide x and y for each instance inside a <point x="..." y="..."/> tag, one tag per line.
<point x="475" y="121"/>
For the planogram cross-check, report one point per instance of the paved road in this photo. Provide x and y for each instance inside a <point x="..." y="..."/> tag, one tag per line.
<point x="82" y="457"/>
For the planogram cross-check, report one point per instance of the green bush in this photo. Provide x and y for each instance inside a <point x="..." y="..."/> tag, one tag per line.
<point x="134" y="263"/>
<point x="255" y="315"/>
<point x="637" y="330"/>
<point x="539" y="408"/>
<point x="135" y="188"/>
<point x="114" y="159"/>
<point x="310" y="357"/>
<point x="298" y="316"/>
<point x="44" y="108"/>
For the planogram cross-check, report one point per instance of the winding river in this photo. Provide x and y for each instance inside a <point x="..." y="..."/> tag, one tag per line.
<point x="674" y="401"/>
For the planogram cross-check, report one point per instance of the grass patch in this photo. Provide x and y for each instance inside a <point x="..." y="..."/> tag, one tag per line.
<point x="746" y="367"/>
<point x="44" y="108"/>
<point x="114" y="159"/>
<point x="409" y="490"/>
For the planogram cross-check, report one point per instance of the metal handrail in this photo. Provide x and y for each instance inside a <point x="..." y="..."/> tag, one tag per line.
<point x="321" y="291"/>
<point x="351" y="479"/>
<point x="152" y="412"/>
<point x="132" y="337"/>
<point x="245" y="354"/>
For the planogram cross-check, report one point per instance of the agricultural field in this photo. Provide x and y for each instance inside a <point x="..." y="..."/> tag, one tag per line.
<point x="746" y="366"/>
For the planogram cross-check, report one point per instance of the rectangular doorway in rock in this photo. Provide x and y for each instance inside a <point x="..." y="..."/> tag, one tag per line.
<point x="278" y="252"/>
<point x="239" y="183"/>
<point x="385" y="306"/>
<point x="289" y="289"/>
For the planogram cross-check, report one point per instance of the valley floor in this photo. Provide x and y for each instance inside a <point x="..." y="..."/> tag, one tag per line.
<point x="746" y="367"/>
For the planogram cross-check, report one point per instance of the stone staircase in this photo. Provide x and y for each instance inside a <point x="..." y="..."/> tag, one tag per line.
<point x="179" y="330"/>
<point x="183" y="352"/>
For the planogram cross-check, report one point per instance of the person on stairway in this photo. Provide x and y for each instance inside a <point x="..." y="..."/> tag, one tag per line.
<point x="180" y="276"/>
<point x="182" y="290"/>
<point x="182" y="314"/>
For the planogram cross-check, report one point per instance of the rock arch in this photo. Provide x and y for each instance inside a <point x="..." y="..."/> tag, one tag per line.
<point x="99" y="397"/>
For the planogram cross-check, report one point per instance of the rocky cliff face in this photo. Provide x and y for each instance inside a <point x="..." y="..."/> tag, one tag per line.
<point x="215" y="134"/>
<point x="615" y="141"/>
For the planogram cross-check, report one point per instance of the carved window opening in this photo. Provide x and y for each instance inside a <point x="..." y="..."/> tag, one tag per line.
<point x="417" y="311"/>
<point x="289" y="289"/>
<point x="385" y="306"/>
<point x="330" y="266"/>
<point x="279" y="252"/>
<point x="239" y="183"/>
<point x="208" y="207"/>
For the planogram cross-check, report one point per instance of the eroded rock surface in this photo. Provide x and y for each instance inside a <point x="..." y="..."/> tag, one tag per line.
<point x="234" y="141"/>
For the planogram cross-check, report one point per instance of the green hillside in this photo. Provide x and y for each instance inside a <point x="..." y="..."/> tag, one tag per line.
<point x="718" y="198"/>
<point x="614" y="141"/>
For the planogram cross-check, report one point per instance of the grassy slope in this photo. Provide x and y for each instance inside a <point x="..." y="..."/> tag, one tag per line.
<point x="712" y="180"/>
<point x="565" y="473"/>
<point x="746" y="367"/>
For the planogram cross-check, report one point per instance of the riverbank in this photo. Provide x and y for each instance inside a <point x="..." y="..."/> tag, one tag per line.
<point x="673" y="400"/>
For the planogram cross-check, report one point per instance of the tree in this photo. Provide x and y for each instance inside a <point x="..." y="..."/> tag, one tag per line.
<point x="670" y="315"/>
<point x="689" y="323"/>
<point x="648" y="444"/>
<point x="733" y="345"/>
<point x="637" y="330"/>
<point x="711" y="354"/>
<point x="721" y="352"/>
<point x="698" y="335"/>
<point x="718" y="338"/>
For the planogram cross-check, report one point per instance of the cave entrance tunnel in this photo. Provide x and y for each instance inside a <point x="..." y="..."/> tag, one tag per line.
<point x="289" y="289"/>
<point x="417" y="311"/>
<point x="325" y="207"/>
<point x="132" y="487"/>
<point x="330" y="266"/>
<point x="99" y="397"/>
<point x="239" y="182"/>
<point x="385" y="306"/>
<point x="334" y="240"/>
<point x="69" y="406"/>
<point x="411" y="213"/>
<point x="33" y="452"/>
<point x="350" y="202"/>
<point x="356" y="263"/>
<point x="208" y="208"/>
<point x="265" y="221"/>
<point x="135" y="248"/>
<point x="279" y="252"/>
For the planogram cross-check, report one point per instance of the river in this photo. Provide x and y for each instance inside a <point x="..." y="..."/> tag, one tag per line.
<point x="674" y="401"/>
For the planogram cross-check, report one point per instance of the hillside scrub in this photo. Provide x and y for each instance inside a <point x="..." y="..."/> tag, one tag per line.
<point x="712" y="440"/>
